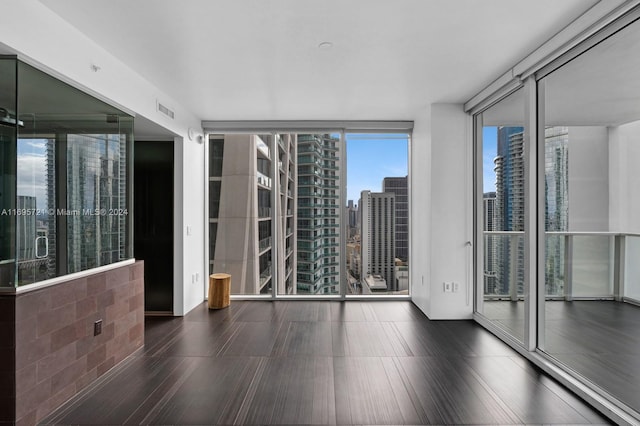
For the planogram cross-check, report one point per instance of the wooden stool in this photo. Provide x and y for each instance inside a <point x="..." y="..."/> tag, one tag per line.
<point x="219" y="291"/>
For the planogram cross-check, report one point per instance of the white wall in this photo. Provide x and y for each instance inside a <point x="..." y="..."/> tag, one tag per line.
<point x="588" y="178"/>
<point x="624" y="198"/>
<point x="442" y="212"/>
<point x="191" y="279"/>
<point x="624" y="175"/>
<point x="589" y="209"/>
<point x="43" y="39"/>
<point x="420" y="205"/>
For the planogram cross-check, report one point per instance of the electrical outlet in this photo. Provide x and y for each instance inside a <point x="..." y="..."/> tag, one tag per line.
<point x="97" y="327"/>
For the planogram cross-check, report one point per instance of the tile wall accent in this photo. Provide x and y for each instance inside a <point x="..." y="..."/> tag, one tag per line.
<point x="56" y="352"/>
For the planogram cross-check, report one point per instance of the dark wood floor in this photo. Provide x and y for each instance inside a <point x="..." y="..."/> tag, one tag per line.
<point x="600" y="340"/>
<point x="351" y="363"/>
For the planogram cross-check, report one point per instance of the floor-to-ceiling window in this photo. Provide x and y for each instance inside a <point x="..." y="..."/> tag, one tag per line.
<point x="377" y="210"/>
<point x="285" y="213"/>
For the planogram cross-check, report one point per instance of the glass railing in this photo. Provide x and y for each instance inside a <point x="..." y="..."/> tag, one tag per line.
<point x="581" y="264"/>
<point x="578" y="265"/>
<point x="503" y="265"/>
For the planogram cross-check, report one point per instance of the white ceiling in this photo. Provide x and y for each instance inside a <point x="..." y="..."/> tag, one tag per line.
<point x="259" y="60"/>
<point x="601" y="87"/>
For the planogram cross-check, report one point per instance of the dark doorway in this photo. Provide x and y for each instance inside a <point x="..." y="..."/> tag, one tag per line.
<point x="153" y="225"/>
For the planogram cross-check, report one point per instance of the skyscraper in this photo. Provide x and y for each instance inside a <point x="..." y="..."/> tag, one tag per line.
<point x="318" y="214"/>
<point x="352" y="218"/>
<point x="377" y="247"/>
<point x="95" y="216"/>
<point x="509" y="209"/>
<point x="490" y="250"/>
<point x="251" y="182"/>
<point x="399" y="187"/>
<point x="556" y="182"/>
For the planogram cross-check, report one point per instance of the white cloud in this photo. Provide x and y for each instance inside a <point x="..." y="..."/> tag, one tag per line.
<point x="31" y="178"/>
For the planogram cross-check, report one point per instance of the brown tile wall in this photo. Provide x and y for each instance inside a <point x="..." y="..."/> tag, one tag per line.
<point x="7" y="359"/>
<point x="56" y="353"/>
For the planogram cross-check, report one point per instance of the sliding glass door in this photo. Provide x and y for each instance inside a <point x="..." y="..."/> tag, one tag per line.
<point x="558" y="223"/>
<point x="501" y="214"/>
<point x="590" y="114"/>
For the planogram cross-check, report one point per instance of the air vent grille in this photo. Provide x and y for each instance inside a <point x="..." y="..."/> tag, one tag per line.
<point x="166" y="111"/>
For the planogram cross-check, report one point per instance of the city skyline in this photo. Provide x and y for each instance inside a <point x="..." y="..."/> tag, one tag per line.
<point x="371" y="158"/>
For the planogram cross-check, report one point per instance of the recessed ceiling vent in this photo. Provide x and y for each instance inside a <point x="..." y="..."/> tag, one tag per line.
<point x="166" y="111"/>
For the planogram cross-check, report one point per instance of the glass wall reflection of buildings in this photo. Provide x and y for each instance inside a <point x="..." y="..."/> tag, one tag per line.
<point x="95" y="215"/>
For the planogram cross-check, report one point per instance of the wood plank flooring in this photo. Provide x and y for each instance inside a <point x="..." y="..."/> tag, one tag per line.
<point x="322" y="363"/>
<point x="600" y="340"/>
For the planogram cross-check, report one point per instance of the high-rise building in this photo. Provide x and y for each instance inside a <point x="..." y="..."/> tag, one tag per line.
<point x="352" y="219"/>
<point x="95" y="215"/>
<point x="556" y="183"/>
<point x="318" y="250"/>
<point x="509" y="209"/>
<point x="399" y="187"/>
<point x="490" y="250"/>
<point x="251" y="182"/>
<point x="26" y="228"/>
<point x="377" y="239"/>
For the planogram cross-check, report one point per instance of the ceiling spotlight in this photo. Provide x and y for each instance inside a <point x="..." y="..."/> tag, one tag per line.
<point x="325" y="45"/>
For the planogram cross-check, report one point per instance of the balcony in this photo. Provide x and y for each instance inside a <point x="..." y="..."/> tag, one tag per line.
<point x="593" y="265"/>
<point x="263" y="147"/>
<point x="263" y="180"/>
<point x="264" y="244"/>
<point x="265" y="276"/>
<point x="264" y="212"/>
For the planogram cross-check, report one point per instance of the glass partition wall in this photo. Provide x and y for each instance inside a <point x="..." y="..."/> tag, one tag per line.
<point x="584" y="312"/>
<point x="282" y="223"/>
<point x="66" y="162"/>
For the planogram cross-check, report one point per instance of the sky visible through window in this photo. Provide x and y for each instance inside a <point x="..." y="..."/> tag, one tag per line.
<point x="373" y="157"/>
<point x="489" y="153"/>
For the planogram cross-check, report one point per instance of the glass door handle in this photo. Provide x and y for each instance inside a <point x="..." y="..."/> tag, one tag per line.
<point x="46" y="247"/>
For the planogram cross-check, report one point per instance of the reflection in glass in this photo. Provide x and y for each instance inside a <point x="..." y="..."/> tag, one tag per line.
<point x="96" y="211"/>
<point x="8" y="137"/>
<point x="64" y="185"/>
<point x="591" y="124"/>
<point x="36" y="227"/>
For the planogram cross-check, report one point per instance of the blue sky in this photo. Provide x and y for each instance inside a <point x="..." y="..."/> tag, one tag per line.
<point x="372" y="157"/>
<point x="489" y="152"/>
